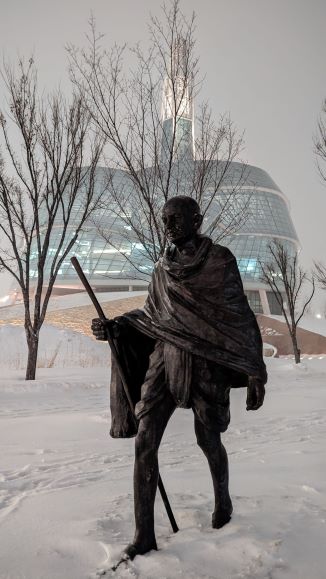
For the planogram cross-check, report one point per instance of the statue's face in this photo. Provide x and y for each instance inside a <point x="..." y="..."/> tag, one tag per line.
<point x="180" y="220"/>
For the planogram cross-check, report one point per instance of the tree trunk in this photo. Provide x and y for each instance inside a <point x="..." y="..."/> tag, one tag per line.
<point x="32" y="344"/>
<point x="296" y="349"/>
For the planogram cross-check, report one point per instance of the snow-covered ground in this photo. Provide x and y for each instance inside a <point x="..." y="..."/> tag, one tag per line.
<point x="57" y="348"/>
<point x="66" y="506"/>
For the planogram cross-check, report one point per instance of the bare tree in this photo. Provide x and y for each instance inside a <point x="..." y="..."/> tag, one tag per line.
<point x="287" y="279"/>
<point x="320" y="143"/>
<point x="320" y="272"/>
<point x="152" y="143"/>
<point x="320" y="152"/>
<point x="46" y="195"/>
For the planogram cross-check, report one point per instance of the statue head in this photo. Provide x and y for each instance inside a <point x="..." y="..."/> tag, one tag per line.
<point x="181" y="218"/>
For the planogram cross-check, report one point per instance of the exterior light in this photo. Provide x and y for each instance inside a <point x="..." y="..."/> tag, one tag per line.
<point x="4" y="299"/>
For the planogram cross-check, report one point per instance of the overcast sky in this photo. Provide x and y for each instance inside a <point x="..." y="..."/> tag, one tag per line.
<point x="263" y="61"/>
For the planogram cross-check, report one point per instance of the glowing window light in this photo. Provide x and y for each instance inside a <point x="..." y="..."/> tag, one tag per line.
<point x="4" y="299"/>
<point x="251" y="264"/>
<point x="125" y="251"/>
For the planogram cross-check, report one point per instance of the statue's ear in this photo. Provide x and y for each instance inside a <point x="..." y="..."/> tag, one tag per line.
<point x="198" y="219"/>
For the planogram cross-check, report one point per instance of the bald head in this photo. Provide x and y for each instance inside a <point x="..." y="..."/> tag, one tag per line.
<point x="184" y="202"/>
<point x="182" y="219"/>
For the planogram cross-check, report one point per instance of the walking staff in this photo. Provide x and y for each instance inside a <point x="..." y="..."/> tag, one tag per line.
<point x="115" y="355"/>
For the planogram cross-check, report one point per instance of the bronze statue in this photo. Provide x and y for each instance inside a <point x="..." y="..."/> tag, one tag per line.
<point x="195" y="338"/>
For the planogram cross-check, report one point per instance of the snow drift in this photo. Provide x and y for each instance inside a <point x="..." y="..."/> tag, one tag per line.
<point x="58" y="348"/>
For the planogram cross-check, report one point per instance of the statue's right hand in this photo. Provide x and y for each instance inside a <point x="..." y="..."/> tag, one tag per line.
<point x="100" y="328"/>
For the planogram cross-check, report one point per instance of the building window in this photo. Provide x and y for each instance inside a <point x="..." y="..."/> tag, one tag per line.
<point x="254" y="301"/>
<point x="274" y="306"/>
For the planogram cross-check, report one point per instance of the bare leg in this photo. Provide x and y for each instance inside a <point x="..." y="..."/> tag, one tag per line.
<point x="150" y="432"/>
<point x="211" y="445"/>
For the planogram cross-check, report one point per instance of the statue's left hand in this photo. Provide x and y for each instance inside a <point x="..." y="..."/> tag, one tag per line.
<point x="255" y="393"/>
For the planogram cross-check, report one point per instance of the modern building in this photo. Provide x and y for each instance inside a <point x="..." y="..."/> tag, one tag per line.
<point x="118" y="261"/>
<point x="267" y="219"/>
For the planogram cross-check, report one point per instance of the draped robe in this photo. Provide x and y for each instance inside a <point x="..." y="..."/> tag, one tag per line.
<point x="197" y="309"/>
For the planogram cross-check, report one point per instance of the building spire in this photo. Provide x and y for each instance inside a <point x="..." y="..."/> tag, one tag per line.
<point x="177" y="108"/>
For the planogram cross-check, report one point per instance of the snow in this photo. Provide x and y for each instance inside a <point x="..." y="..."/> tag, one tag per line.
<point x="66" y="508"/>
<point x="57" y="348"/>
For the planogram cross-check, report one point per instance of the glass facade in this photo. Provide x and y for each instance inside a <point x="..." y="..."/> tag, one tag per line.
<point x="266" y="213"/>
<point x="247" y="221"/>
<point x="120" y="260"/>
<point x="182" y="144"/>
<point x="111" y="260"/>
<point x="266" y="219"/>
<point x="252" y="250"/>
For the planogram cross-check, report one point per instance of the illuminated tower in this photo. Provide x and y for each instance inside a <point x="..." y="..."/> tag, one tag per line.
<point x="177" y="109"/>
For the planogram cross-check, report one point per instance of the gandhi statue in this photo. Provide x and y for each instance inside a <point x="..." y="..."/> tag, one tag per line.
<point x="195" y="338"/>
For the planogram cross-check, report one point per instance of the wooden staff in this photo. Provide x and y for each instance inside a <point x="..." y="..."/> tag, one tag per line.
<point x="115" y="355"/>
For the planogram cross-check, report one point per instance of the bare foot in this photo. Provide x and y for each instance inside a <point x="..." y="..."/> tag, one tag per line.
<point x="221" y="517"/>
<point x="134" y="549"/>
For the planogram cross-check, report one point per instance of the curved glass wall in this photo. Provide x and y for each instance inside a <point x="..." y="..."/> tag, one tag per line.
<point x="252" y="250"/>
<point x="259" y="212"/>
<point x="121" y="257"/>
<point x="266" y="213"/>
<point x="106" y="247"/>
